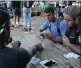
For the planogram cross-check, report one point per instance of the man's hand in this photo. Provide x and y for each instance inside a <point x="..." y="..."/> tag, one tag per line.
<point x="66" y="41"/>
<point x="46" y="35"/>
<point x="50" y="37"/>
<point x="70" y="45"/>
<point x="16" y="44"/>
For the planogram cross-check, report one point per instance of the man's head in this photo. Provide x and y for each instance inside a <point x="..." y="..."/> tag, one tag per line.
<point x="49" y="12"/>
<point x="72" y="15"/>
<point x="4" y="27"/>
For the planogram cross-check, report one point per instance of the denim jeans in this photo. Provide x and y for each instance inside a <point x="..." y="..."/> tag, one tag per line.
<point x="26" y="17"/>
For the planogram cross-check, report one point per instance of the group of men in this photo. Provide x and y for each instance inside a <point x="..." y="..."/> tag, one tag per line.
<point x="68" y="33"/>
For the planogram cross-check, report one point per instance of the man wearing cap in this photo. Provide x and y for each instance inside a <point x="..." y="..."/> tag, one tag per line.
<point x="10" y="57"/>
<point x="72" y="38"/>
<point x="51" y="23"/>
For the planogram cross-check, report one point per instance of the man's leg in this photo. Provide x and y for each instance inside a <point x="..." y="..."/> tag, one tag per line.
<point x="18" y="18"/>
<point x="15" y="20"/>
<point x="25" y="18"/>
<point x="29" y="19"/>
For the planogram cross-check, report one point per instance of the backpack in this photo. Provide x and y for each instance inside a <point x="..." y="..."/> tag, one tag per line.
<point x="57" y="25"/>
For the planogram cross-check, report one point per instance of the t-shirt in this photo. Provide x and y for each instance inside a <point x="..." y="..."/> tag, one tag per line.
<point x="16" y="4"/>
<point x="14" y="58"/>
<point x="53" y="28"/>
<point x="73" y="35"/>
<point x="28" y="4"/>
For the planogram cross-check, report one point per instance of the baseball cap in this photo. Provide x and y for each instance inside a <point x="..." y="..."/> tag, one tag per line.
<point x="49" y="8"/>
<point x="73" y="11"/>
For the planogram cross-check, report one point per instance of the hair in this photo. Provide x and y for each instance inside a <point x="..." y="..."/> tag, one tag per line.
<point x="49" y="8"/>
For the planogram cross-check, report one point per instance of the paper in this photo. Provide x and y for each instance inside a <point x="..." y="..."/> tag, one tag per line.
<point x="34" y="60"/>
<point x="71" y="55"/>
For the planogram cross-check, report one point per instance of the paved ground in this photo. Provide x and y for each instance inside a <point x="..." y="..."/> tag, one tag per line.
<point x="36" y="23"/>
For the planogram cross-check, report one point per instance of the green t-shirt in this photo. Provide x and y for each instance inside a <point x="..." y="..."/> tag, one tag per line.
<point x="73" y="35"/>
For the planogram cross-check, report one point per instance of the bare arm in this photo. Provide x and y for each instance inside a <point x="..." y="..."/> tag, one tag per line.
<point x="74" y="47"/>
<point x="57" y="39"/>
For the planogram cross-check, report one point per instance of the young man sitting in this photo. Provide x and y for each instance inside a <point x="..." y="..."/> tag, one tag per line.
<point x="53" y="23"/>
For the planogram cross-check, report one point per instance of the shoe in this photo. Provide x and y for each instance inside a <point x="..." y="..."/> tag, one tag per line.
<point x="29" y="29"/>
<point x="24" y="29"/>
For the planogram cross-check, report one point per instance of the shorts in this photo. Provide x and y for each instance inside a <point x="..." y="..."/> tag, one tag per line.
<point x="17" y="12"/>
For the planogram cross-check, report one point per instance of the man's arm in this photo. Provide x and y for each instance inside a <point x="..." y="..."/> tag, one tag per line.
<point x="44" y="26"/>
<point x="74" y="47"/>
<point x="57" y="39"/>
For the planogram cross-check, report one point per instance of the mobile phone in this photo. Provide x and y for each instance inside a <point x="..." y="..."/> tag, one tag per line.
<point x="48" y="64"/>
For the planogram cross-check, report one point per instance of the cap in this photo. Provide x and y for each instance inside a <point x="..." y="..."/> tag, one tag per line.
<point x="73" y="11"/>
<point x="49" y="8"/>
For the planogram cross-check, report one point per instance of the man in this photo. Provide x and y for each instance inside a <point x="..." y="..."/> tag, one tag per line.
<point x="27" y="15"/>
<point x="52" y="23"/>
<point x="10" y="57"/>
<point x="72" y="38"/>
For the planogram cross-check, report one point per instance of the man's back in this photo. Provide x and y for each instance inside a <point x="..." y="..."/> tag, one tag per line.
<point x="14" y="58"/>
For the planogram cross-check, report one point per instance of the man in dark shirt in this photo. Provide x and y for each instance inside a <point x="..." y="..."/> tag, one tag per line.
<point x="72" y="38"/>
<point x="10" y="57"/>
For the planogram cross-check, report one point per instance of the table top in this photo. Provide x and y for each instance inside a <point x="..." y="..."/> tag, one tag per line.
<point x="52" y="51"/>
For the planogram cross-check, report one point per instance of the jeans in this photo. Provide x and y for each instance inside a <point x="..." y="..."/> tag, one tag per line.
<point x="27" y="17"/>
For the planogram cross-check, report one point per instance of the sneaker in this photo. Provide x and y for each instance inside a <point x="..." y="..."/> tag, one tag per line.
<point x="24" y="29"/>
<point x="29" y="29"/>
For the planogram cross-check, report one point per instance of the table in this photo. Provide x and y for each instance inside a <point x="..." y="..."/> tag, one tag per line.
<point x="51" y="51"/>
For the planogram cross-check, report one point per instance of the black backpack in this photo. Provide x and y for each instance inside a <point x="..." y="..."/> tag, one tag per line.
<point x="57" y="25"/>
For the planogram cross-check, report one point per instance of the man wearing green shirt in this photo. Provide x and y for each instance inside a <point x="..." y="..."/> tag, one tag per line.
<point x="72" y="38"/>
